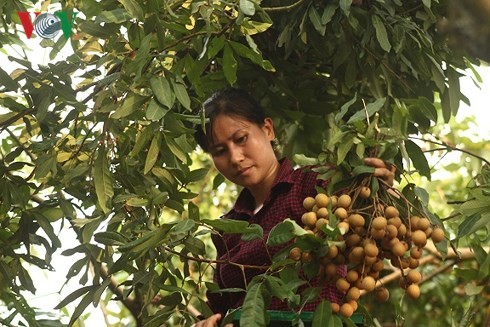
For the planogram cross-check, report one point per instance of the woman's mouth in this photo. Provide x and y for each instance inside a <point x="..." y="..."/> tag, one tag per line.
<point x="243" y="171"/>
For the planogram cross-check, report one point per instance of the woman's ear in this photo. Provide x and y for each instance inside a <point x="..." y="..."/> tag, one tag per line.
<point x="268" y="128"/>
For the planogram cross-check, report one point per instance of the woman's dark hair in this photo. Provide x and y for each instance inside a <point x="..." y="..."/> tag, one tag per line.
<point x="231" y="102"/>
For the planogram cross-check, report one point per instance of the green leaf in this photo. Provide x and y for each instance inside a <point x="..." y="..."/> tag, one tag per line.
<point x="229" y="65"/>
<point x="162" y="91"/>
<point x="229" y="226"/>
<point x="247" y="7"/>
<point x="362" y="169"/>
<point x="472" y="224"/>
<point x="254" y="306"/>
<point x="328" y="13"/>
<point x="110" y="238"/>
<point x="103" y="181"/>
<point x="153" y="151"/>
<point x="181" y="94"/>
<point x="453" y="90"/>
<point x="369" y="111"/>
<point x="316" y="21"/>
<point x="344" y="148"/>
<point x="193" y="211"/>
<point x="133" y="8"/>
<point x="253" y="232"/>
<point x="284" y="232"/>
<point x="81" y="306"/>
<point x="418" y="158"/>
<point x="131" y="103"/>
<point x="381" y="34"/>
<point x="147" y="241"/>
<point x="322" y="315"/>
<point x="7" y="81"/>
<point x="155" y="111"/>
<point x="73" y="296"/>
<point x="197" y="175"/>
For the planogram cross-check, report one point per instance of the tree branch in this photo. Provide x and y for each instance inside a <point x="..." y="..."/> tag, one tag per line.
<point x="283" y="8"/>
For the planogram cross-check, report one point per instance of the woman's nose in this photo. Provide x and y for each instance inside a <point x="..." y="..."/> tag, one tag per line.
<point x="236" y="155"/>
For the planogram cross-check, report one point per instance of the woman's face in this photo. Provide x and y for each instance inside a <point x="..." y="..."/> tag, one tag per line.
<point x="242" y="151"/>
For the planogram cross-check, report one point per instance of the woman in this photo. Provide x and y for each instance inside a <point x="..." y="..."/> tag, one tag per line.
<point x="239" y="138"/>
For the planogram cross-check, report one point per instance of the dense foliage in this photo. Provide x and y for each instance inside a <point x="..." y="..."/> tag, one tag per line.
<point x="102" y="141"/>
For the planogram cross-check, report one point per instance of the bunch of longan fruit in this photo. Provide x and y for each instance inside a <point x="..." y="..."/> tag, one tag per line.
<point x="372" y="230"/>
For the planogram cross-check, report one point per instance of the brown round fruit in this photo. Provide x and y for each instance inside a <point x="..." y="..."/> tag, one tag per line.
<point x="308" y="203"/>
<point x="437" y="235"/>
<point x="353" y="294"/>
<point x="419" y="238"/>
<point x="365" y="192"/>
<point x="379" y="222"/>
<point x="341" y="213"/>
<point x="352" y="276"/>
<point x="368" y="283"/>
<point x="309" y="219"/>
<point x="295" y="254"/>
<point x="423" y="224"/>
<point x="414" y="277"/>
<point x="371" y="250"/>
<point x="391" y="211"/>
<point x="346" y="310"/>
<point x="333" y="251"/>
<point x="322" y="200"/>
<point x="335" y="307"/>
<point x="382" y="294"/>
<point x="342" y="284"/>
<point x="322" y="213"/>
<point x="356" y="220"/>
<point x="413" y="291"/>
<point x="398" y="249"/>
<point x="320" y="223"/>
<point x="416" y="252"/>
<point x="344" y="201"/>
<point x="343" y="225"/>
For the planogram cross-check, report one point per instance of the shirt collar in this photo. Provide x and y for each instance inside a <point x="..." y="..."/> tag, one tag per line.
<point x="245" y="202"/>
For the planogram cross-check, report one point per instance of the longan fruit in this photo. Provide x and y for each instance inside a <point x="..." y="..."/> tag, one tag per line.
<point x="371" y="250"/>
<point x="368" y="283"/>
<point x="353" y="240"/>
<point x="333" y="200"/>
<point x="308" y="203"/>
<point x="356" y="220"/>
<point x="330" y="270"/>
<point x="322" y="213"/>
<point x="342" y="284"/>
<point x="378" y="266"/>
<point x="343" y="225"/>
<point x="295" y="254"/>
<point x="356" y="255"/>
<point x="307" y="256"/>
<point x="346" y="310"/>
<point x="416" y="252"/>
<point x="414" y="276"/>
<point x="332" y="252"/>
<point x="352" y="276"/>
<point x="320" y="223"/>
<point x="344" y="201"/>
<point x="353" y="293"/>
<point x="413" y="263"/>
<point x="309" y="219"/>
<point x="413" y="291"/>
<point x="335" y="307"/>
<point x="419" y="238"/>
<point x="414" y="220"/>
<point x="354" y="304"/>
<point x="391" y="231"/>
<point x="377" y="234"/>
<point x="391" y="211"/>
<point x="396" y="221"/>
<point x="437" y="235"/>
<point x="365" y="192"/>
<point x="341" y="213"/>
<point x="423" y="224"/>
<point x="382" y="294"/>
<point x="398" y="249"/>
<point x="379" y="222"/>
<point x="322" y="200"/>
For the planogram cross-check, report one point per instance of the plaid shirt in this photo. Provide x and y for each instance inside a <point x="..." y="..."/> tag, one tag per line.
<point x="289" y="189"/>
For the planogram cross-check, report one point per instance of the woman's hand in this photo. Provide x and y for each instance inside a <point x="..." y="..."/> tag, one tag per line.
<point x="382" y="170"/>
<point x="211" y="321"/>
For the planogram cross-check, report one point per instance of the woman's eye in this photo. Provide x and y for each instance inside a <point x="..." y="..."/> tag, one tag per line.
<point x="241" y="139"/>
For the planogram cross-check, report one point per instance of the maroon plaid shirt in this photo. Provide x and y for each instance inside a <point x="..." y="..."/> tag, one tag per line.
<point x="290" y="187"/>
